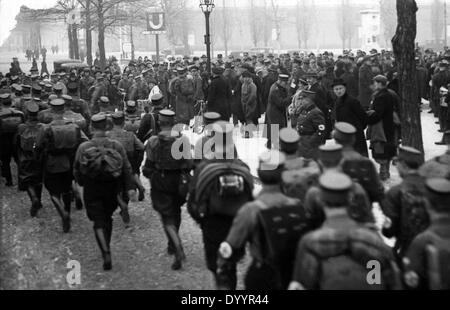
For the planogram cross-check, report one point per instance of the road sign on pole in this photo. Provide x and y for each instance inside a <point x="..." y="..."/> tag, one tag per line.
<point x="156" y="25"/>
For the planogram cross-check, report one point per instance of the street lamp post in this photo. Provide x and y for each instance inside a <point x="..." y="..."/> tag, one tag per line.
<point x="207" y="7"/>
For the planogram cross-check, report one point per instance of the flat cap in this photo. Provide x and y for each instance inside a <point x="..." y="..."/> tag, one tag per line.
<point x="166" y="115"/>
<point x="57" y="102"/>
<point x="5" y="96"/>
<point x="344" y="131"/>
<point x="57" y="87"/>
<point x="438" y="186"/>
<point x="156" y="98"/>
<point x="330" y="152"/>
<point x="104" y="99"/>
<point x="335" y="182"/>
<point x="338" y="82"/>
<point x="67" y="97"/>
<point x="118" y="115"/>
<point x="37" y="88"/>
<point x="211" y="117"/>
<point x="283" y="77"/>
<point x="289" y="139"/>
<point x="410" y="155"/>
<point x="32" y="107"/>
<point x="131" y="104"/>
<point x="97" y="118"/>
<point x="381" y="79"/>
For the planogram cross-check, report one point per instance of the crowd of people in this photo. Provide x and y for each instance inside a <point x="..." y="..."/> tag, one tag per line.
<point x="87" y="135"/>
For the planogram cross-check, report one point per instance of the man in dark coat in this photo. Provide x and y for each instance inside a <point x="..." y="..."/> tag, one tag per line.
<point x="382" y="131"/>
<point x="276" y="106"/>
<point x="349" y="110"/>
<point x="270" y="79"/>
<point x="365" y="81"/>
<point x="350" y="80"/>
<point x="219" y="95"/>
<point x="323" y="101"/>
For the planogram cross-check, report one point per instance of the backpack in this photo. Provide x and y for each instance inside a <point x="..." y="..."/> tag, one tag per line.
<point x="187" y="87"/>
<point x="28" y="138"/>
<point x="132" y="124"/>
<point x="163" y="154"/>
<point x="64" y="138"/>
<point x="296" y="183"/>
<point x="281" y="228"/>
<point x="414" y="217"/>
<point x="363" y="172"/>
<point x="101" y="162"/>
<point x="125" y="138"/>
<point x="10" y="120"/>
<point x="437" y="258"/>
<point x="221" y="189"/>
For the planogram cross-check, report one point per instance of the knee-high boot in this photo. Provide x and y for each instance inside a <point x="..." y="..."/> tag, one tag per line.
<point x="65" y="216"/>
<point x="171" y="232"/>
<point x="101" y="237"/>
<point x="35" y="202"/>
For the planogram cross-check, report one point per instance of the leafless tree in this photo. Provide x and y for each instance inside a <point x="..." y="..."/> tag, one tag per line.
<point x="178" y="24"/>
<point x="254" y="16"/>
<point x="346" y="23"/>
<point x="277" y="19"/>
<point x="437" y="20"/>
<point x="304" y="19"/>
<point x="403" y="44"/>
<point x="388" y="19"/>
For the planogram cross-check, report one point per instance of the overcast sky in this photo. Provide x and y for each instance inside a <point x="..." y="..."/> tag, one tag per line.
<point x="10" y="8"/>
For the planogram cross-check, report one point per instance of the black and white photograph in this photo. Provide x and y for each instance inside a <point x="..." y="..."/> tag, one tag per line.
<point x="245" y="146"/>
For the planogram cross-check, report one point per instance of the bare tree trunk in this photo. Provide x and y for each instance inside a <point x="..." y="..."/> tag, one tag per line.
<point x="132" y="43"/>
<point x="88" y="33"/>
<point x="76" y="50"/>
<point x="225" y="28"/>
<point x="404" y="50"/>
<point x="298" y="25"/>
<point x="69" y="35"/>
<point x="101" y="35"/>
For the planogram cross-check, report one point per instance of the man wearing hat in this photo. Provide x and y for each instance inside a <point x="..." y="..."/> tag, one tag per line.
<point x="426" y="261"/>
<point x="438" y="80"/>
<point x="221" y="185"/>
<point x="300" y="173"/>
<point x="359" y="209"/>
<point x="29" y="162"/>
<point x="78" y="105"/>
<point x="125" y="84"/>
<point x="168" y="174"/>
<point x="184" y="91"/>
<point x="355" y="165"/>
<point x="209" y="118"/>
<point x="219" y="95"/>
<point x="382" y="128"/>
<point x="72" y="116"/>
<point x="148" y="125"/>
<point x="326" y="259"/>
<point x="58" y="146"/>
<point x="101" y="195"/>
<point x="267" y="82"/>
<point x="441" y="79"/>
<point x="135" y="152"/>
<point x="132" y="117"/>
<point x="86" y="82"/>
<point x="311" y="128"/>
<point x="10" y="119"/>
<point x="365" y="82"/>
<point x="265" y="272"/>
<point x="349" y="110"/>
<point x="96" y="92"/>
<point x="322" y="99"/>
<point x="4" y="88"/>
<point x="405" y="204"/>
<point x="57" y="107"/>
<point x="276" y="113"/>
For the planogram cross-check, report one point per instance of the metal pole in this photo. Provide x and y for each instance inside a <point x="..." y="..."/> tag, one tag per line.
<point x="445" y="22"/>
<point x="157" y="48"/>
<point x="208" y="43"/>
